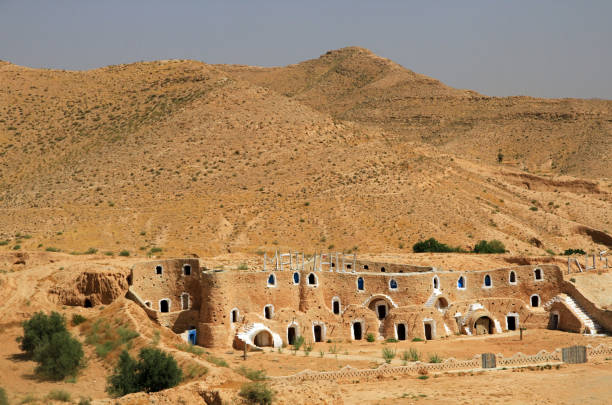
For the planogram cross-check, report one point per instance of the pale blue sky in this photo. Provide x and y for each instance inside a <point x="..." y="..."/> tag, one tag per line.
<point x="541" y="48"/>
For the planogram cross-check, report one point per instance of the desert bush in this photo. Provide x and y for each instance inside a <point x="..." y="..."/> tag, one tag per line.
<point x="388" y="354"/>
<point x="297" y="343"/>
<point x="3" y="397"/>
<point x="493" y="246"/>
<point x="38" y="330"/>
<point x="432" y="245"/>
<point x="251" y="374"/>
<point x="16" y="247"/>
<point x="411" y="355"/>
<point x="308" y="348"/>
<point x="217" y="361"/>
<point x="391" y="340"/>
<point x="91" y="251"/>
<point x="257" y="393"/>
<point x="416" y="339"/>
<point x="52" y="249"/>
<point x="4" y="242"/>
<point x="84" y="401"/>
<point x="124" y="253"/>
<point x="434" y="358"/>
<point x="59" y="357"/>
<point x="370" y="337"/>
<point x="59" y="395"/>
<point x="189" y="348"/>
<point x="77" y="319"/>
<point x="569" y="252"/>
<point x="154" y="371"/>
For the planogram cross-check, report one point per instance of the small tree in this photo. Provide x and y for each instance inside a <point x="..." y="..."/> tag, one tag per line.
<point x="297" y="343"/>
<point x="38" y="330"/>
<point x="257" y="393"/>
<point x="123" y="381"/>
<point x="493" y="246"/>
<point x="157" y="370"/>
<point x="60" y="357"/>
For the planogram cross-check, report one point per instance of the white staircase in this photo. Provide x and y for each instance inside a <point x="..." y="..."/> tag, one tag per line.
<point x="248" y="332"/>
<point x="498" y="328"/>
<point x="432" y="298"/>
<point x="447" y="330"/>
<point x="593" y="328"/>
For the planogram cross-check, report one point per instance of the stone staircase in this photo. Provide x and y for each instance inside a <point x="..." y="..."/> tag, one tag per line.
<point x="247" y="332"/>
<point x="432" y="298"/>
<point x="591" y="326"/>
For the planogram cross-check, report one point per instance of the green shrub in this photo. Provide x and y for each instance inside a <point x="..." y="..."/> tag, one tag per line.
<point x="434" y="358"/>
<point x="388" y="354"/>
<point x="16" y="247"/>
<point x="188" y="347"/>
<point x="84" y="401"/>
<point x="52" y="249"/>
<point x="493" y="246"/>
<point x="370" y="337"/>
<point x="124" y="253"/>
<point x="432" y="245"/>
<point x="3" y="397"/>
<point x="78" y="319"/>
<point x="91" y="251"/>
<point x="569" y="252"/>
<point x="38" y="330"/>
<point x="297" y="343"/>
<point x="533" y="208"/>
<point x="59" y="395"/>
<point x="411" y="355"/>
<point x="257" y="393"/>
<point x="4" y="242"/>
<point x="154" y="371"/>
<point x="60" y="357"/>
<point x="251" y="374"/>
<point x="391" y="340"/>
<point x="416" y="339"/>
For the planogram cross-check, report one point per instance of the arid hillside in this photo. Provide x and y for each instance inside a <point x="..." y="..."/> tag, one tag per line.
<point x="197" y="158"/>
<point x="566" y="136"/>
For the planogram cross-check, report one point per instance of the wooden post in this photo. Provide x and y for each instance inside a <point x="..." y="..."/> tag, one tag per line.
<point x="522" y="328"/>
<point x="244" y="354"/>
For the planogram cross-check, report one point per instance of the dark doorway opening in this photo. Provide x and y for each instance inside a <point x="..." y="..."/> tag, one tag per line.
<point x="192" y="336"/>
<point x="554" y="321"/>
<point x="263" y="338"/>
<point x="382" y="311"/>
<point x="164" y="306"/>
<point x="318" y="333"/>
<point x="291" y="332"/>
<point x="187" y="270"/>
<point x="235" y="315"/>
<point x="357" y="330"/>
<point x="401" y="331"/>
<point x="535" y="301"/>
<point x="511" y="322"/>
<point x="268" y="312"/>
<point x="428" y="331"/>
<point x="336" y="307"/>
<point x="312" y="280"/>
<point x="88" y="303"/>
<point x="483" y="326"/>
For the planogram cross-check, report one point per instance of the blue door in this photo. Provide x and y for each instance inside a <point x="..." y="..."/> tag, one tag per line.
<point x="192" y="336"/>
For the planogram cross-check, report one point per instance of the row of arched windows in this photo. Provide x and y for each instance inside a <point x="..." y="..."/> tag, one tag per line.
<point x="159" y="269"/>
<point x="312" y="279"/>
<point x="487" y="281"/>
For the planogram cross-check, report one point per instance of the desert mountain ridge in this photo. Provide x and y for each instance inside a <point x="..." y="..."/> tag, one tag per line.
<point x="349" y="151"/>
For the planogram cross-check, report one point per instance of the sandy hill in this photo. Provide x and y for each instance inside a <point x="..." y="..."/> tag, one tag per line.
<point x="196" y="158"/>
<point x="567" y="136"/>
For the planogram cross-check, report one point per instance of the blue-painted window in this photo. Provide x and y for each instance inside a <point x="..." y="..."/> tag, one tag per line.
<point x="461" y="282"/>
<point x="360" y="284"/>
<point x="487" y="281"/>
<point x="393" y="284"/>
<point x="296" y="277"/>
<point x="271" y="280"/>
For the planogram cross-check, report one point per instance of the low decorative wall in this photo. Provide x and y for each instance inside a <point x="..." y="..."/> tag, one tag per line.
<point x="450" y="364"/>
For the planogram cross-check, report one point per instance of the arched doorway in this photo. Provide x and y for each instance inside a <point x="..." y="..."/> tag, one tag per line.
<point x="318" y="333"/>
<point x="441" y="303"/>
<point x="336" y="306"/>
<point x="429" y="331"/>
<point x="483" y="326"/>
<point x="291" y="334"/>
<point x="401" y="331"/>
<point x="535" y="300"/>
<point x="554" y="321"/>
<point x="263" y="339"/>
<point x="164" y="306"/>
<point x="357" y="331"/>
<point x="87" y="303"/>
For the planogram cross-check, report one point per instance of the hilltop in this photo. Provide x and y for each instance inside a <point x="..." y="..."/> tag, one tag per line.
<point x="349" y="151"/>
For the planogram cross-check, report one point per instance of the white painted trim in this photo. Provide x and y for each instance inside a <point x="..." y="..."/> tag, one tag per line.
<point x="484" y="284"/>
<point x="275" y="284"/>
<point x="433" y="328"/>
<point x="188" y="301"/>
<point x="190" y="269"/>
<point x="293" y="277"/>
<point x="316" y="284"/>
<point x="357" y="284"/>
<point x="169" y="304"/>
<point x="148" y="306"/>
<point x="405" y="330"/>
<point x="515" y="315"/>
<point x="295" y="325"/>
<point x="362" y="323"/>
<point x="367" y="302"/>
<point x="464" y="283"/>
<point x="334" y="299"/>
<point x="323" y="330"/>
<point x="271" y="311"/>
<point x="396" y="285"/>
<point x="515" y="282"/>
<point x="433" y="283"/>
<point x="539" y="301"/>
<point x="541" y="274"/>
<point x="237" y="315"/>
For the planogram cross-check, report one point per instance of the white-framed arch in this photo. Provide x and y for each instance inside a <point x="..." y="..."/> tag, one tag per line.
<point x="187" y="269"/>
<point x="323" y="331"/>
<point x="336" y="305"/>
<point x="374" y="297"/>
<point x="512" y="279"/>
<point x="185" y="301"/>
<point x="435" y="282"/>
<point x="538" y="274"/>
<point x="271" y="281"/>
<point x="361" y="331"/>
<point x="168" y="301"/>
<point x="268" y="311"/>
<point x="234" y="315"/>
<point x="396" y="327"/>
<point x="535" y="298"/>
<point x="393" y="285"/>
<point x="296" y="330"/>
<point x="461" y="282"/>
<point x="516" y="317"/>
<point x="312" y="280"/>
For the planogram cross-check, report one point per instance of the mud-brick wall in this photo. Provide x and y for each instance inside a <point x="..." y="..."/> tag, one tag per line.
<point x="169" y="285"/>
<point x="567" y="320"/>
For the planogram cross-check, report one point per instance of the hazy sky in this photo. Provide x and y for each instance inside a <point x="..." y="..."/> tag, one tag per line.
<point x="540" y="48"/>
